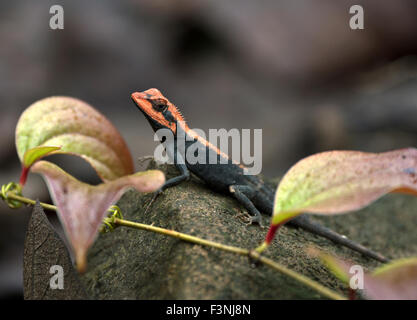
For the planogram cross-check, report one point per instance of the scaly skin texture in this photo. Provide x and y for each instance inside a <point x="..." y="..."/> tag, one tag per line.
<point x="225" y="176"/>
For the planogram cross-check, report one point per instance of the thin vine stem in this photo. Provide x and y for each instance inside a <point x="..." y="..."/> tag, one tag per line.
<point x="28" y="201"/>
<point x="244" y="252"/>
<point x="196" y="240"/>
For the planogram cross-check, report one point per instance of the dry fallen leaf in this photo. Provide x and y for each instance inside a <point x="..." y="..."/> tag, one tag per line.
<point x="82" y="207"/>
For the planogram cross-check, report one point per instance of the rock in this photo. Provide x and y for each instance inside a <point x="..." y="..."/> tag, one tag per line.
<point x="135" y="264"/>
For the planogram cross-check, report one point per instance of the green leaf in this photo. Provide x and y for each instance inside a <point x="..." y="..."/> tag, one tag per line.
<point x="341" y="181"/>
<point x="35" y="154"/>
<point x="78" y="129"/>
<point x="82" y="207"/>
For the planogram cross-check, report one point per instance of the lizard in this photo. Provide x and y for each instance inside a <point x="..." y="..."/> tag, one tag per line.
<point x="227" y="177"/>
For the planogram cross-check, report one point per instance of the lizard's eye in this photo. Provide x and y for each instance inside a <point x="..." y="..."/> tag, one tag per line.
<point x="159" y="105"/>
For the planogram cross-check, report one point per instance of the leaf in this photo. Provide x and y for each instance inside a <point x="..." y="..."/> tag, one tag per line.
<point x="44" y="249"/>
<point x="337" y="182"/>
<point x="396" y="280"/>
<point x="36" y="153"/>
<point x="82" y="207"/>
<point x="77" y="128"/>
<point x="338" y="267"/>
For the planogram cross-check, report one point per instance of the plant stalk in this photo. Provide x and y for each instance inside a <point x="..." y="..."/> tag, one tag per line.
<point x="192" y="239"/>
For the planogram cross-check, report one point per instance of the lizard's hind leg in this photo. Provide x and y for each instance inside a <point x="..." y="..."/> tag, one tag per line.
<point x="243" y="194"/>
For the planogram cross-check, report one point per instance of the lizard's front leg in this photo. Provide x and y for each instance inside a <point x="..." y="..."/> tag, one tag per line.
<point x="185" y="175"/>
<point x="243" y="194"/>
<point x="180" y="164"/>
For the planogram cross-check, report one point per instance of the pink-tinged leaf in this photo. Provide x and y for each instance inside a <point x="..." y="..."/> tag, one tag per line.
<point x="78" y="129"/>
<point x="341" y="181"/>
<point x="82" y="207"/>
<point x="396" y="280"/>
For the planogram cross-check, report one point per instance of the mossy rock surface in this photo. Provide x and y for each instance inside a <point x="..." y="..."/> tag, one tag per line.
<point x="135" y="264"/>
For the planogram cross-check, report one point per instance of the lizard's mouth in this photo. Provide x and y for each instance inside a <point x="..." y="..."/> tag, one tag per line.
<point x="140" y="96"/>
<point x="141" y="101"/>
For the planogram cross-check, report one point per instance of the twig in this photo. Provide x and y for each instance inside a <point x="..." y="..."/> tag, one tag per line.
<point x="7" y="196"/>
<point x="24" y="200"/>
<point x="244" y="252"/>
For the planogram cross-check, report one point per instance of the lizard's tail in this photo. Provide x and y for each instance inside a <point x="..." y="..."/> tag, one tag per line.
<point x="315" y="228"/>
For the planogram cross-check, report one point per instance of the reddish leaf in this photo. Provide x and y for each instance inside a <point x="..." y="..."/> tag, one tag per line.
<point x="341" y="181"/>
<point x="396" y="280"/>
<point x="77" y="128"/>
<point x="337" y="182"/>
<point x="82" y="207"/>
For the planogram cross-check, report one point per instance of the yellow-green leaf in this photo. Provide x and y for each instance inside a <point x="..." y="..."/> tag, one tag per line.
<point x="82" y="207"/>
<point x="338" y="267"/>
<point x="36" y="153"/>
<point x="78" y="129"/>
<point x="341" y="181"/>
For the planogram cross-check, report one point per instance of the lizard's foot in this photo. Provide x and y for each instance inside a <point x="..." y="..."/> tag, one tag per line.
<point x="244" y="217"/>
<point x="249" y="220"/>
<point x="155" y="195"/>
<point x="256" y="219"/>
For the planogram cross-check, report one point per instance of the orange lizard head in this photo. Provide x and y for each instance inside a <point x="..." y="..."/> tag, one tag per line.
<point x="157" y="109"/>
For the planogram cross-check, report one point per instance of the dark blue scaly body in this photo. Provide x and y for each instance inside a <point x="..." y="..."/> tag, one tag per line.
<point x="226" y="178"/>
<point x="220" y="177"/>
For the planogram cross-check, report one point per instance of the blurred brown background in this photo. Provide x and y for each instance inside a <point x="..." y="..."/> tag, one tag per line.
<point x="293" y="68"/>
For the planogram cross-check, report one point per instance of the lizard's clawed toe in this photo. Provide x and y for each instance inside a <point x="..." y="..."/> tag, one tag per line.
<point x="249" y="220"/>
<point x="155" y="195"/>
<point x="256" y="220"/>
